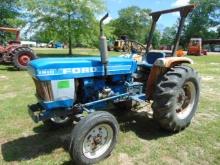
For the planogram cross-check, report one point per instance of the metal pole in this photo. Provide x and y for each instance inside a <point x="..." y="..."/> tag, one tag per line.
<point x="150" y="37"/>
<point x="70" y="34"/>
<point x="18" y="35"/>
<point x="177" y="39"/>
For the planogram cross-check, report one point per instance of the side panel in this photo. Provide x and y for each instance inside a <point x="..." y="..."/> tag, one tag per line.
<point x="69" y="68"/>
<point x="63" y="89"/>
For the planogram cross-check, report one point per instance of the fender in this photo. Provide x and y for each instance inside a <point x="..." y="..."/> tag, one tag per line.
<point x="161" y="65"/>
<point x="12" y="47"/>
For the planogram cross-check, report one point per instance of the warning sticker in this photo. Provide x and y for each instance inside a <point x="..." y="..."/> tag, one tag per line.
<point x="63" y="84"/>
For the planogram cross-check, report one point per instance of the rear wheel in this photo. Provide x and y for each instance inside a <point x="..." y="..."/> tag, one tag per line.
<point x="176" y="98"/>
<point x="21" y="56"/>
<point x="93" y="138"/>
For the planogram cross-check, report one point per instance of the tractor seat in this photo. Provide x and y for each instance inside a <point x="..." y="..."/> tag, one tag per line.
<point x="151" y="57"/>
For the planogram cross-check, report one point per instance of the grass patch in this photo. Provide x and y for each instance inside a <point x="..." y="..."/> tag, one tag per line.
<point x="141" y="141"/>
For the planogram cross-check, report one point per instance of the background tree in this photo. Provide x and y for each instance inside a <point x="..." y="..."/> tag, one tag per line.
<point x="71" y="21"/>
<point x="10" y="16"/>
<point x="168" y="36"/>
<point x="133" y="22"/>
<point x="110" y="30"/>
<point x="218" y="32"/>
<point x="9" y="11"/>
<point x="203" y="18"/>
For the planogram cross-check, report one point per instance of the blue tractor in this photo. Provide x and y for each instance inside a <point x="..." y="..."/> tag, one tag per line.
<point x="77" y="88"/>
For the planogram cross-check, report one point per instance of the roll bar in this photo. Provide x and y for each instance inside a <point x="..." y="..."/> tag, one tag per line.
<point x="12" y="30"/>
<point x="184" y="11"/>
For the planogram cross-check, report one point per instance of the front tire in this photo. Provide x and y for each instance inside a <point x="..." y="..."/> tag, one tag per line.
<point x="176" y="98"/>
<point x="93" y="138"/>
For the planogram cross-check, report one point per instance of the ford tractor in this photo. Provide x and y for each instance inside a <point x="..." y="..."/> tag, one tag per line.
<point x="14" y="52"/>
<point x="80" y="88"/>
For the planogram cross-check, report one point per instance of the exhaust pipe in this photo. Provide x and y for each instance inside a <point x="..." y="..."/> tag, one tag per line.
<point x="103" y="45"/>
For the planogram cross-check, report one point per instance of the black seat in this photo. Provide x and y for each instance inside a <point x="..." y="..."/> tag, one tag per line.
<point x="151" y="57"/>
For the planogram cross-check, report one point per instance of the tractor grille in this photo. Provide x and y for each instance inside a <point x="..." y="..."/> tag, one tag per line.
<point x="44" y="90"/>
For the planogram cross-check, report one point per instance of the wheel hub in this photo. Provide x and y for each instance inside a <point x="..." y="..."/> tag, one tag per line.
<point x="97" y="141"/>
<point x="181" y="98"/>
<point x="24" y="59"/>
<point x="186" y="100"/>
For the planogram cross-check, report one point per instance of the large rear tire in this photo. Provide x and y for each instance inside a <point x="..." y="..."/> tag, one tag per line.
<point x="176" y="97"/>
<point x="93" y="138"/>
<point x="21" y="56"/>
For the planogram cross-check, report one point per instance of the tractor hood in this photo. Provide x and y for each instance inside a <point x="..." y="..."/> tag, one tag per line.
<point x="46" y="69"/>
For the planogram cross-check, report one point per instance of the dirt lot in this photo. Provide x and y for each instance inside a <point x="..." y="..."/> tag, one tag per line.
<point x="141" y="141"/>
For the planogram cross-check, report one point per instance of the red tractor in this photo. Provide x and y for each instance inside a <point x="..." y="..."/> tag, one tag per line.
<point x="13" y="52"/>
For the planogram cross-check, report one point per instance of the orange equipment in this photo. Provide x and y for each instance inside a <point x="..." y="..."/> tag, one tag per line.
<point x="180" y="53"/>
<point x="195" y="47"/>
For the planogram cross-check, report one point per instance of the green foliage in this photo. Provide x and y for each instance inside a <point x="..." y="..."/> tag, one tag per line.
<point x="218" y="32"/>
<point x="168" y="35"/>
<point x="156" y="39"/>
<point x="205" y="16"/>
<point x="8" y="12"/>
<point x="67" y="21"/>
<point x="133" y="22"/>
<point x="9" y="17"/>
<point x="109" y="31"/>
<point x="202" y="19"/>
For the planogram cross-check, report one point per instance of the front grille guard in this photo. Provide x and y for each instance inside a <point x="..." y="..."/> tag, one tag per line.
<point x="44" y="90"/>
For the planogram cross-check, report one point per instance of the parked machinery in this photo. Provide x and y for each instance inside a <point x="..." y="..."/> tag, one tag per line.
<point x="13" y="52"/>
<point x="195" y="47"/>
<point x="76" y="88"/>
<point x="129" y="46"/>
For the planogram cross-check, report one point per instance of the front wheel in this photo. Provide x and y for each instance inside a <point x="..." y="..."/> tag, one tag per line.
<point x="93" y="138"/>
<point x="176" y="98"/>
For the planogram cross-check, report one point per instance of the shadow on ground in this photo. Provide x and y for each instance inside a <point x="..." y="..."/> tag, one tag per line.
<point x="46" y="141"/>
<point x="42" y="143"/>
<point x="141" y="123"/>
<point x="8" y="67"/>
